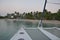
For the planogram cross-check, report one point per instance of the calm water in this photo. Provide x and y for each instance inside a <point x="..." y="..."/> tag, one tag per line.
<point x="9" y="27"/>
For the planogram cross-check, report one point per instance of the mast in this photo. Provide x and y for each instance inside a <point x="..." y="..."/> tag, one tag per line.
<point x="42" y="15"/>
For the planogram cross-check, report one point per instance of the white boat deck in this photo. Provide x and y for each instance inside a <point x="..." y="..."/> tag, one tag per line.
<point x="23" y="35"/>
<point x="48" y="34"/>
<point x="53" y="28"/>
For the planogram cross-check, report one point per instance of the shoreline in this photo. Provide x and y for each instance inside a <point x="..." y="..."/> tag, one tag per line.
<point x="51" y="21"/>
<point x="34" y="21"/>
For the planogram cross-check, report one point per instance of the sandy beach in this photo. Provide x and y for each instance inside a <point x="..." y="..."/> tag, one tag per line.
<point x="34" y="21"/>
<point x="44" y="21"/>
<point x="51" y="21"/>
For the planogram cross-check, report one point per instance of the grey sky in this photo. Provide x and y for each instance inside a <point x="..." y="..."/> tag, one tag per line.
<point x="9" y="6"/>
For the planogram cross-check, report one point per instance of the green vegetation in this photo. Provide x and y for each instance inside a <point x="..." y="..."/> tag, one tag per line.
<point x="33" y="15"/>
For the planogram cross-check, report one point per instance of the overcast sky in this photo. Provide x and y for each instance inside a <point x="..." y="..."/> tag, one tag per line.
<point x="9" y="6"/>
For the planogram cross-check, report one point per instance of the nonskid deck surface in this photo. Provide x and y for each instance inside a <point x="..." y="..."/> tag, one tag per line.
<point x="36" y="34"/>
<point x="29" y="34"/>
<point x="54" y="31"/>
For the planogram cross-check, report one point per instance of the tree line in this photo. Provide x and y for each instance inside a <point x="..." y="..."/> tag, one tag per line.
<point x="47" y="15"/>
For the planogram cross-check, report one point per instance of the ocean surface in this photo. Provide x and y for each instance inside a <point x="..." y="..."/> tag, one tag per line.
<point x="9" y="27"/>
